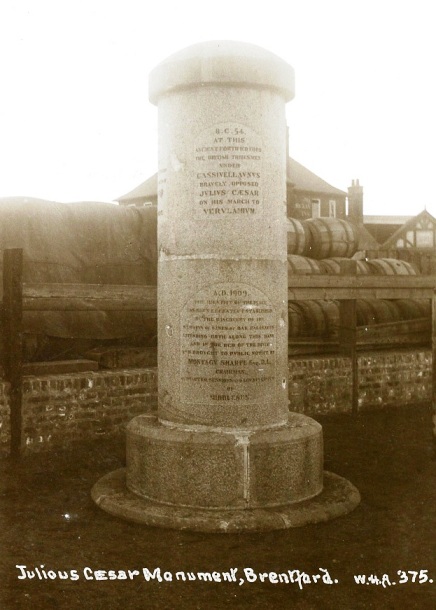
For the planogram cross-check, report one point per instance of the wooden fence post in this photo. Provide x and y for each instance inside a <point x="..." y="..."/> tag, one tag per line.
<point x="433" y="354"/>
<point x="348" y="333"/>
<point x="12" y="340"/>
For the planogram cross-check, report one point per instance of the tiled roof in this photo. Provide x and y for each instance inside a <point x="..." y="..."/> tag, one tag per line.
<point x="366" y="241"/>
<point x="386" y="220"/>
<point x="305" y="180"/>
<point x="147" y="189"/>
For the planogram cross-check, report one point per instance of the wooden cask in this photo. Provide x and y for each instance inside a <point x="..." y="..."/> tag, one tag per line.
<point x="411" y="309"/>
<point x="376" y="311"/>
<point x="330" y="237"/>
<point x="301" y="265"/>
<point x="321" y="318"/>
<point x="295" y="320"/>
<point x="332" y="266"/>
<point x="390" y="266"/>
<point x="297" y="237"/>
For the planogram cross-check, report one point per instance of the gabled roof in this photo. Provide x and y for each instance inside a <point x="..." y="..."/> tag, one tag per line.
<point x="407" y="226"/>
<point x="298" y="175"/>
<point x="366" y="241"/>
<point x="146" y="190"/>
<point x="386" y="220"/>
<point x="305" y="180"/>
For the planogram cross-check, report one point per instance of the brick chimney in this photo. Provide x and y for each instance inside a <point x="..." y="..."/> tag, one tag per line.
<point x="355" y="203"/>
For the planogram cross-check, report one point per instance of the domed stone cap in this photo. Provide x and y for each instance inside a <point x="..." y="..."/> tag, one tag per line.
<point x="222" y="62"/>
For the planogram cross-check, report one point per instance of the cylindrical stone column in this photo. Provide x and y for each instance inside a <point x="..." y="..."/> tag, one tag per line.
<point x="224" y="453"/>
<point x="223" y="423"/>
<point x="222" y="280"/>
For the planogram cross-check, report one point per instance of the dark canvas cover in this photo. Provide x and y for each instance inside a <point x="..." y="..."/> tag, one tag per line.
<point x="88" y="243"/>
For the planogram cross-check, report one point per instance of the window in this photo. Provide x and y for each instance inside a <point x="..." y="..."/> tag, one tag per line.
<point x="424" y="239"/>
<point x="332" y="208"/>
<point x="316" y="208"/>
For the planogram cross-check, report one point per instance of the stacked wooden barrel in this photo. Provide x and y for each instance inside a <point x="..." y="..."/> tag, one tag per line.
<point x="318" y="246"/>
<point x="313" y="318"/>
<point x="320" y="238"/>
<point x="298" y="237"/>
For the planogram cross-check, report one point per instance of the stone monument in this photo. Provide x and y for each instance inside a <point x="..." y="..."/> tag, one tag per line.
<point x="223" y="453"/>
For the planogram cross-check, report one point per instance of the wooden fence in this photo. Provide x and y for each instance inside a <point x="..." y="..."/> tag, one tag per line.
<point x="19" y="297"/>
<point x="347" y="288"/>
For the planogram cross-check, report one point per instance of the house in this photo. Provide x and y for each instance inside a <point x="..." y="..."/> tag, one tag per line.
<point x="416" y="232"/>
<point x="383" y="227"/>
<point x="144" y="194"/>
<point x="308" y="195"/>
<point x="411" y="238"/>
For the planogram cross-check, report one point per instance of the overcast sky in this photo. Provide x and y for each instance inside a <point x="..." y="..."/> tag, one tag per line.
<point x="76" y="123"/>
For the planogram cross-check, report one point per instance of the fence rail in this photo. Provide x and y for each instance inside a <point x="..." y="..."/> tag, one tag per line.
<point x="87" y="297"/>
<point x="347" y="287"/>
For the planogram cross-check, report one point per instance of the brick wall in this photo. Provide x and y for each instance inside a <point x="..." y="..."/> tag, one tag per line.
<point x="4" y="418"/>
<point x="323" y="384"/>
<point x="319" y="385"/>
<point x="61" y="409"/>
<point x="393" y="378"/>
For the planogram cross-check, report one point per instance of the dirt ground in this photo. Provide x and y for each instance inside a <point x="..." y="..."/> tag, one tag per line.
<point x="49" y="520"/>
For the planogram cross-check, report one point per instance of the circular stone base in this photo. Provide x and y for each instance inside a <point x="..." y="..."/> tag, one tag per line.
<point x="199" y="468"/>
<point x="338" y="498"/>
